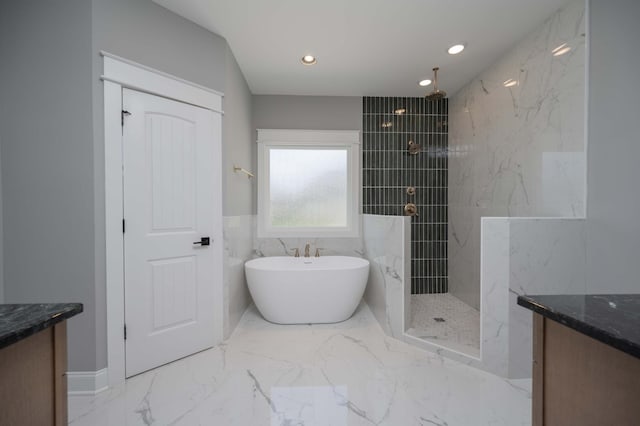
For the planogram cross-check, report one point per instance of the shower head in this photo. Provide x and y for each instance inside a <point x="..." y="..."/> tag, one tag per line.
<point x="436" y="94"/>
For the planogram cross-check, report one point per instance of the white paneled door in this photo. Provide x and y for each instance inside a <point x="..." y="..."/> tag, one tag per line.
<point x="170" y="220"/>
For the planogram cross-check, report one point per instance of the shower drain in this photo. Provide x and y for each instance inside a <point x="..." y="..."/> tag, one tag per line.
<point x="439" y="319"/>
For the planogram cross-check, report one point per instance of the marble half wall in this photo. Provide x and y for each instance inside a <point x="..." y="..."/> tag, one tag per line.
<point x="516" y="141"/>
<point x="542" y="256"/>
<point x="238" y="234"/>
<point x="387" y="247"/>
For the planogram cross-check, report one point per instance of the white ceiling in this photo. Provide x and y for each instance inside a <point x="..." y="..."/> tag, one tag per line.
<point x="364" y="47"/>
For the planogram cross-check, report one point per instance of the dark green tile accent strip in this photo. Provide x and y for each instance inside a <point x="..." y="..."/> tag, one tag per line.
<point x="388" y="169"/>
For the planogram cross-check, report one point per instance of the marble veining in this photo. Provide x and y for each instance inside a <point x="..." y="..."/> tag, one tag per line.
<point x="517" y="150"/>
<point x="386" y="246"/>
<point x="494" y="314"/>
<point x="19" y="321"/>
<point x="613" y="319"/>
<point x="524" y="256"/>
<point x="264" y="247"/>
<point x="546" y="256"/>
<point x="349" y="373"/>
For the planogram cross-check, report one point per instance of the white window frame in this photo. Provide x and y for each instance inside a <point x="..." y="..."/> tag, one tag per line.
<point x="309" y="139"/>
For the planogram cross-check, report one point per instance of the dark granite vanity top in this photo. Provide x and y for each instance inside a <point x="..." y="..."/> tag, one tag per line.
<point x="613" y="319"/>
<point x="23" y="320"/>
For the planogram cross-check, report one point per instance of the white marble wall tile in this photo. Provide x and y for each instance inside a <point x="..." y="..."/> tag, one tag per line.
<point x="494" y="313"/>
<point x="547" y="256"/>
<point x="524" y="256"/>
<point x="563" y="183"/>
<point x="517" y="151"/>
<point x="264" y="247"/>
<point x="387" y="247"/>
<point x="238" y="248"/>
<point x="463" y="248"/>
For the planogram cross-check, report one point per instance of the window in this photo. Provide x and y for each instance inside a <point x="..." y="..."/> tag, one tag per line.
<point x="308" y="183"/>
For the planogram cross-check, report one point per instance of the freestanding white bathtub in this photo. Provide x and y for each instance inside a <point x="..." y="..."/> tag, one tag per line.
<point x="306" y="290"/>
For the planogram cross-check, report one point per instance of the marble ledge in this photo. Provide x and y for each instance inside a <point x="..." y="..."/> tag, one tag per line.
<point x="613" y="319"/>
<point x="19" y="321"/>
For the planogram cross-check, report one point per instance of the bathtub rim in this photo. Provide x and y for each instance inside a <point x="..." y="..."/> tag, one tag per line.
<point x="302" y="264"/>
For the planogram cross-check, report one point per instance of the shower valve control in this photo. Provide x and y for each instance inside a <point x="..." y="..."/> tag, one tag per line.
<point x="411" y="209"/>
<point x="411" y="190"/>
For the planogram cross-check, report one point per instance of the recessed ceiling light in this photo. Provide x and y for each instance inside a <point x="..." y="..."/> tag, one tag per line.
<point x="510" y="83"/>
<point x="399" y="111"/>
<point x="561" y="50"/>
<point x="309" y="60"/>
<point x="424" y="82"/>
<point x="455" y="49"/>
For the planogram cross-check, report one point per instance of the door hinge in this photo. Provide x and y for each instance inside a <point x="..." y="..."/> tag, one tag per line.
<point x="123" y="227"/>
<point x="125" y="113"/>
<point x="125" y="332"/>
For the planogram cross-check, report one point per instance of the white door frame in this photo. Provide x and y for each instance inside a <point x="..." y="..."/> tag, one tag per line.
<point x="121" y="73"/>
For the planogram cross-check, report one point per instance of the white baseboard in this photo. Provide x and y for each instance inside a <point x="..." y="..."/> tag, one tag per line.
<point x="87" y="382"/>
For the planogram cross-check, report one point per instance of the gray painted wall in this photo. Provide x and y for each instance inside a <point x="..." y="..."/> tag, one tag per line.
<point x="239" y="146"/>
<point x="239" y="200"/>
<point x="307" y="112"/>
<point x="613" y="199"/>
<point x="47" y="168"/>
<point x="142" y="31"/>
<point x="52" y="143"/>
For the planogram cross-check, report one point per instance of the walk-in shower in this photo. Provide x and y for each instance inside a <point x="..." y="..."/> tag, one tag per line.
<point x="405" y="172"/>
<point x="499" y="193"/>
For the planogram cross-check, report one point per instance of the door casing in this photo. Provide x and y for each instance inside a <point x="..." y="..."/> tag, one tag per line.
<point x="121" y="73"/>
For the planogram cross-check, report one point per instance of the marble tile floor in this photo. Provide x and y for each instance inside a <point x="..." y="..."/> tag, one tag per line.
<point x="460" y="329"/>
<point x="349" y="373"/>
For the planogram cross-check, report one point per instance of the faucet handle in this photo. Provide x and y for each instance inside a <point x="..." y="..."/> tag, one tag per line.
<point x="318" y="251"/>
<point x="296" y="252"/>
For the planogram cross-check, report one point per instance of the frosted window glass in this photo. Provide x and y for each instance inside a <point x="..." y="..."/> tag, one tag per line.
<point x="308" y="187"/>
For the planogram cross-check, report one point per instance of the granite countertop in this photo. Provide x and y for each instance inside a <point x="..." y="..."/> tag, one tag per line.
<point x="23" y="320"/>
<point x="613" y="319"/>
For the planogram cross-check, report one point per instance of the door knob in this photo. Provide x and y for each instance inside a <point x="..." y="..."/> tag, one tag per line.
<point x="204" y="241"/>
